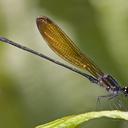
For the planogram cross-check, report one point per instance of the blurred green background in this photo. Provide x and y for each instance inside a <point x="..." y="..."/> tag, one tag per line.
<point x="34" y="91"/>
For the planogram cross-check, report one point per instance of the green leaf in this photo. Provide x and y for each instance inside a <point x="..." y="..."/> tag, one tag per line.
<point x="75" y="120"/>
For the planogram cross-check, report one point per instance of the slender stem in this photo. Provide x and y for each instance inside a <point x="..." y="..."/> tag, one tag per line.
<point x="92" y="79"/>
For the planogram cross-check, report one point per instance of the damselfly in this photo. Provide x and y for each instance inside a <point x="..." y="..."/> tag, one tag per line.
<point x="62" y="45"/>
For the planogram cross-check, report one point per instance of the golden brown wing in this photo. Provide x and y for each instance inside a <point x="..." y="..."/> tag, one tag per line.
<point x="61" y="44"/>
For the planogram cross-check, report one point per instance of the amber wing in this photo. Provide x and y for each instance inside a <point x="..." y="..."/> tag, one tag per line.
<point x="61" y="44"/>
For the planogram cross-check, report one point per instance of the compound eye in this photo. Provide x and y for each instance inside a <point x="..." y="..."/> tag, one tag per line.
<point x="125" y="90"/>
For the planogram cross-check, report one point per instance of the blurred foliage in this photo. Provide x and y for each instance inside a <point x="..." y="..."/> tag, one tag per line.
<point x="33" y="91"/>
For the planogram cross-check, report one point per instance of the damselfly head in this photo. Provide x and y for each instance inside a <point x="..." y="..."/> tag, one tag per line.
<point x="125" y="90"/>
